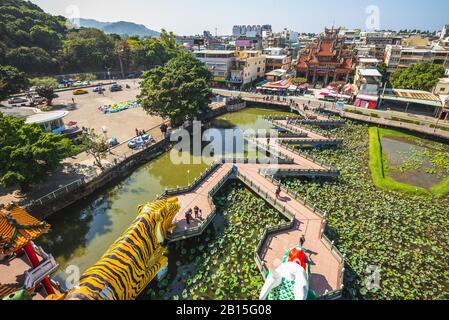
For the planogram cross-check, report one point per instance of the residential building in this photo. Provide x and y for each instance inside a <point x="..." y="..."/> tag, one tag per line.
<point x="415" y="40"/>
<point x="278" y="58"/>
<point x="326" y="60"/>
<point x="368" y="63"/>
<point x="272" y="40"/>
<point x="248" y="43"/>
<point x="219" y="63"/>
<point x="248" y="66"/>
<point x="442" y="87"/>
<point x="350" y="36"/>
<point x="367" y="84"/>
<point x="380" y="40"/>
<point x="276" y="75"/>
<point x="252" y="31"/>
<point x="399" y="57"/>
<point x="364" y="51"/>
<point x="445" y="32"/>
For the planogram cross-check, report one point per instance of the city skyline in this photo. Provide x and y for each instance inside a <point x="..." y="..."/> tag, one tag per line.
<point x="193" y="17"/>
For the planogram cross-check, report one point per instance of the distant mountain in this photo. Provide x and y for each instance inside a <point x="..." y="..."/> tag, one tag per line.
<point x="120" y="27"/>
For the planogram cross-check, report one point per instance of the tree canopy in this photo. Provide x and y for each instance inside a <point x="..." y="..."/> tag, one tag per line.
<point x="178" y="90"/>
<point x="38" y="44"/>
<point x="27" y="153"/>
<point x="11" y="81"/>
<point x="422" y="76"/>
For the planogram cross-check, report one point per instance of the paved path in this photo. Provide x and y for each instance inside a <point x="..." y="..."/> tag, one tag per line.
<point x="383" y="117"/>
<point x="326" y="267"/>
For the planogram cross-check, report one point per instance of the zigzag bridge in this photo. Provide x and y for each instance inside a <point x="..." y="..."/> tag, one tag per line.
<point x="303" y="219"/>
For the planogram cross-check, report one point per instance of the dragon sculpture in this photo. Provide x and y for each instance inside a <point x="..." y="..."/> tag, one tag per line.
<point x="291" y="280"/>
<point x="133" y="261"/>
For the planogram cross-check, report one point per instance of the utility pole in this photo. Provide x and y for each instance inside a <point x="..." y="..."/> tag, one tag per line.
<point x="383" y="94"/>
<point x="121" y="62"/>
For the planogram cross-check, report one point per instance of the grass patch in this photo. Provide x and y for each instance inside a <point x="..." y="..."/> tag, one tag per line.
<point x="405" y="120"/>
<point x="439" y="127"/>
<point x="379" y="167"/>
<point x="355" y="112"/>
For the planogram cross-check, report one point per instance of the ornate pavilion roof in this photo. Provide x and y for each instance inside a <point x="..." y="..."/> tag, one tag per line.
<point x="17" y="228"/>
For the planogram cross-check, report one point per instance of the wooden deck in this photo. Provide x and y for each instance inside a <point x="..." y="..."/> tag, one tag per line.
<point x="326" y="264"/>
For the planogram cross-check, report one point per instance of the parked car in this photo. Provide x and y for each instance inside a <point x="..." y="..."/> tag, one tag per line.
<point x="38" y="99"/>
<point x="17" y="100"/>
<point x="99" y="89"/>
<point x="77" y="84"/>
<point x="116" y="87"/>
<point x="140" y="141"/>
<point x="79" y="92"/>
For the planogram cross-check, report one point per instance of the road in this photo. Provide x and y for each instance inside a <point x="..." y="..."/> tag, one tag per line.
<point x="316" y="102"/>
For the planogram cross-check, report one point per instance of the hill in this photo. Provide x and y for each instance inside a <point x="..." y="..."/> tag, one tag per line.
<point x="121" y="28"/>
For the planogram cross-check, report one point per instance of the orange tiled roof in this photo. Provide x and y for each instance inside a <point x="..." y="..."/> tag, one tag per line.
<point x="17" y="228"/>
<point x="326" y="49"/>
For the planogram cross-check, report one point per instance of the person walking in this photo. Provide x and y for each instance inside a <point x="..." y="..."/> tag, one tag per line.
<point x="189" y="217"/>
<point x="302" y="241"/>
<point x="278" y="192"/>
<point x="197" y="212"/>
<point x="137" y="132"/>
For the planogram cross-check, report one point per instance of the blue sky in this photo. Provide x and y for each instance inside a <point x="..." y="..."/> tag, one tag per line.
<point x="187" y="17"/>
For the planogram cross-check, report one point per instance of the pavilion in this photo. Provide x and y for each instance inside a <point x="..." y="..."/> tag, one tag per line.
<point x="22" y="264"/>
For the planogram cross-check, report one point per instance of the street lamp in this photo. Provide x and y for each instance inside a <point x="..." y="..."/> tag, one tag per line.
<point x="188" y="177"/>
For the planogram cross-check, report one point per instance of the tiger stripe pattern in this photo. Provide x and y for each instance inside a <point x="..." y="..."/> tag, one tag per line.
<point x="134" y="260"/>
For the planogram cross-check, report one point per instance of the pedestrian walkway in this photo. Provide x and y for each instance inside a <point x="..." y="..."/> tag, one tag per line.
<point x="327" y="264"/>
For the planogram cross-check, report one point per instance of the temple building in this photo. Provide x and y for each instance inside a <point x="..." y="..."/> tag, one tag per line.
<point x="24" y="267"/>
<point x="327" y="60"/>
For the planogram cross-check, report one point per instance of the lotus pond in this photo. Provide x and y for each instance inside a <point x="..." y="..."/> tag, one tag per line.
<point x="404" y="235"/>
<point x="413" y="160"/>
<point x="220" y="264"/>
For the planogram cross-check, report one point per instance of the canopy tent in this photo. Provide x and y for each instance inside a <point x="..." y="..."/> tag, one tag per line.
<point x="283" y="84"/>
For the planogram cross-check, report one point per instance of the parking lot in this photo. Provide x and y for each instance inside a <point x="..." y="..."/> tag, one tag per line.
<point x="120" y="125"/>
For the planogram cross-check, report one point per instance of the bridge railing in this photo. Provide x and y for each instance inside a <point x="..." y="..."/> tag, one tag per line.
<point x="327" y="242"/>
<point x="298" y="129"/>
<point x="198" y="230"/>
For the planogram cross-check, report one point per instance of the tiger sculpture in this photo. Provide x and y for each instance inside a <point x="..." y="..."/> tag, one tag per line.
<point x="133" y="261"/>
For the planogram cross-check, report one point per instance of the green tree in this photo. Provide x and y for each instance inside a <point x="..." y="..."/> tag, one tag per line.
<point x="32" y="60"/>
<point x="96" y="146"/>
<point x="28" y="154"/>
<point x="45" y="87"/>
<point x="11" y="81"/>
<point x="177" y="90"/>
<point x="383" y="70"/>
<point x="45" y="38"/>
<point x="422" y="76"/>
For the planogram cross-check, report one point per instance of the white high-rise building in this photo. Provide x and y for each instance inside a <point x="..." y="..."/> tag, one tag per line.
<point x="445" y="32"/>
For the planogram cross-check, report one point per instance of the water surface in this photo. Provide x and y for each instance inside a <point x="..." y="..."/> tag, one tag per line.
<point x="82" y="232"/>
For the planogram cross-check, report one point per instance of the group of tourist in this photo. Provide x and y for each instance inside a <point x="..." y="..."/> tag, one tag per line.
<point x="190" y="218"/>
<point x="140" y="133"/>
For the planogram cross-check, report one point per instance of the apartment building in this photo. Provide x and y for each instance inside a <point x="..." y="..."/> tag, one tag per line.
<point x="379" y="40"/>
<point x="278" y="58"/>
<point x="399" y="57"/>
<point x="249" y="66"/>
<point x="219" y="63"/>
<point x="350" y="36"/>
